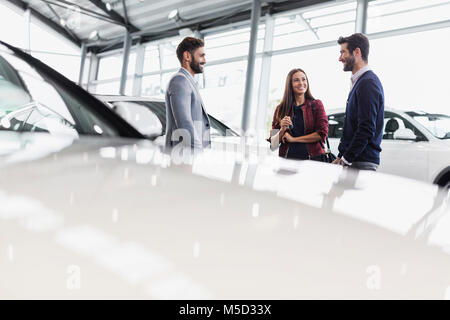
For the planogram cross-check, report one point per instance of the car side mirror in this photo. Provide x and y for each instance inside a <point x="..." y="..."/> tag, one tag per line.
<point x="404" y="134"/>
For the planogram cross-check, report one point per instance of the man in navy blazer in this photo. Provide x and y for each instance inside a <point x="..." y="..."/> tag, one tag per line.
<point x="363" y="127"/>
<point x="187" y="121"/>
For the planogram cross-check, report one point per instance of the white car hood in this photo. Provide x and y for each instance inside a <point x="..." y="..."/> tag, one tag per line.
<point x="100" y="218"/>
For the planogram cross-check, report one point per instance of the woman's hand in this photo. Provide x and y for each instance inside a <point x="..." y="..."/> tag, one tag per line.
<point x="285" y="123"/>
<point x="288" y="138"/>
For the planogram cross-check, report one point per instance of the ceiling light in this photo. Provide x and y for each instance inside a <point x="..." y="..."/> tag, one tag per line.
<point x="94" y="35"/>
<point x="173" y="14"/>
<point x="62" y="22"/>
<point x="108" y="6"/>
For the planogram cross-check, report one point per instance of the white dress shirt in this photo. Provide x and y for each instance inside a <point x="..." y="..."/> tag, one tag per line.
<point x="358" y="75"/>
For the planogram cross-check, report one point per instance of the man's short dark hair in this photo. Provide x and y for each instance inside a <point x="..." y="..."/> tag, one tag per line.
<point x="357" y="40"/>
<point x="189" y="44"/>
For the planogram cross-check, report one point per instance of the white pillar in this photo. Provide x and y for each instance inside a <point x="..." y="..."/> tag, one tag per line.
<point x="264" y="84"/>
<point x="82" y="63"/>
<point x="140" y="58"/>
<point x="27" y="16"/>
<point x="361" y="16"/>
<point x="126" y="56"/>
<point x="246" y="110"/>
<point x="93" y="73"/>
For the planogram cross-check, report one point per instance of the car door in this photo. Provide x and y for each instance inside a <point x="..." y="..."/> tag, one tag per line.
<point x="408" y="158"/>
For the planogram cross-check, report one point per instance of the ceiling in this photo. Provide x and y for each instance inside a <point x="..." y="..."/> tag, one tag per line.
<point x="146" y="20"/>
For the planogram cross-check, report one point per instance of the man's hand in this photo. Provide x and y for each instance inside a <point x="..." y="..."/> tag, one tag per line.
<point x="337" y="161"/>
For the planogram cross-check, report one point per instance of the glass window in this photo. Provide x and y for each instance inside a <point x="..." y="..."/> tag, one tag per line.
<point x="232" y="43"/>
<point x="314" y="26"/>
<point x="151" y="86"/>
<point x="110" y="67"/>
<point x="107" y="88"/>
<point x="388" y="15"/>
<point x="169" y="58"/>
<point x="151" y="60"/>
<point x="408" y="85"/>
<point x="224" y="91"/>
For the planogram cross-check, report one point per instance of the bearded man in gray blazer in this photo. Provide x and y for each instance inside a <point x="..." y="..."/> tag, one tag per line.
<point x="187" y="121"/>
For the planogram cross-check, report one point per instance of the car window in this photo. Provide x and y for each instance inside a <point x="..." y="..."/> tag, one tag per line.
<point x="218" y="128"/>
<point x="14" y="120"/>
<point x="394" y="122"/>
<point x="45" y="120"/>
<point x="437" y="124"/>
<point x="336" y="125"/>
<point x="149" y="117"/>
<point x="143" y="117"/>
<point x="23" y="87"/>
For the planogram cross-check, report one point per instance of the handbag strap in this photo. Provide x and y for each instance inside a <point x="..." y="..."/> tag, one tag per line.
<point x="326" y="139"/>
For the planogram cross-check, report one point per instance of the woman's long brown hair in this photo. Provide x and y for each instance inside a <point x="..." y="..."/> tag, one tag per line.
<point x="286" y="106"/>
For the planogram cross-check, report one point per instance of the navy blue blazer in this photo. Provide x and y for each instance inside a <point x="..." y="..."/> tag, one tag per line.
<point x="363" y="126"/>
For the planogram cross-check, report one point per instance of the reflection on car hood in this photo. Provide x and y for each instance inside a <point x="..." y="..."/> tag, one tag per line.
<point x="100" y="218"/>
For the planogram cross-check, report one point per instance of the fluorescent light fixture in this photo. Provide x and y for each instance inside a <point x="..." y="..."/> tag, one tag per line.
<point x="93" y="35"/>
<point x="173" y="14"/>
<point x="185" y="32"/>
<point x="108" y="6"/>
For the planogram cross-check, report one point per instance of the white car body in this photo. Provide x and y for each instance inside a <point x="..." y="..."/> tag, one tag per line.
<point x="89" y="209"/>
<point x="100" y="218"/>
<point x="422" y="160"/>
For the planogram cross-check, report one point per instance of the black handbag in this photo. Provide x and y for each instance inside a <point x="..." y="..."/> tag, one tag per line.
<point x="328" y="156"/>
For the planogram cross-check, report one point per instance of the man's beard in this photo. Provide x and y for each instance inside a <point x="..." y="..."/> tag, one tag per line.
<point x="196" y="67"/>
<point x="349" y="63"/>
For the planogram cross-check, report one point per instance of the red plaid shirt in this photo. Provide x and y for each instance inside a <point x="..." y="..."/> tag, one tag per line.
<point x="317" y="122"/>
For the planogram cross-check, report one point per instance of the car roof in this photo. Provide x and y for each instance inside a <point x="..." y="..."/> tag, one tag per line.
<point x="389" y="109"/>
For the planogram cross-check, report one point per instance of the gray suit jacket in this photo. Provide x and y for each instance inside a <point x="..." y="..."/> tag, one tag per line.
<point x="185" y="110"/>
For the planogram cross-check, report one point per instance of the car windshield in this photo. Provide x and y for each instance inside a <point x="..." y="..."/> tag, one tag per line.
<point x="30" y="101"/>
<point x="437" y="124"/>
<point x="149" y="117"/>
